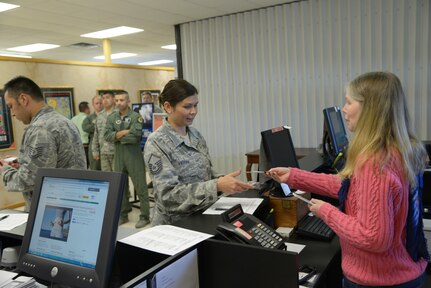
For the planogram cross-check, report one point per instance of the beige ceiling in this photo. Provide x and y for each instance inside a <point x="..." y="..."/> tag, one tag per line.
<point x="62" y="21"/>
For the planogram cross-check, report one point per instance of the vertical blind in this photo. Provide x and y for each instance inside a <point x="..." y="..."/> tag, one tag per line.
<point x="282" y="65"/>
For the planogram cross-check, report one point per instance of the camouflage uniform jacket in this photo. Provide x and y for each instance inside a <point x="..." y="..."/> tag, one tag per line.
<point x="50" y="141"/>
<point x="100" y="145"/>
<point x="88" y="125"/>
<point x="181" y="170"/>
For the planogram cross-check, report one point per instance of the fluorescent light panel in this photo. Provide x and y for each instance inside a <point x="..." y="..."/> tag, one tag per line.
<point x="113" y="32"/>
<point x="15" y="55"/>
<point x="117" y="55"/>
<point x="7" y="6"/>
<point x="170" y="47"/>
<point x="156" y="62"/>
<point x="33" y="47"/>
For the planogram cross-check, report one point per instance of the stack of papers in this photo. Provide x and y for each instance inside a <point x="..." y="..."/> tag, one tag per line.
<point x="12" y="220"/>
<point x="10" y="280"/>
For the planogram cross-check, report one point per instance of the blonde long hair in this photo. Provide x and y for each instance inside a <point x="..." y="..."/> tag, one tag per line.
<point x="384" y="124"/>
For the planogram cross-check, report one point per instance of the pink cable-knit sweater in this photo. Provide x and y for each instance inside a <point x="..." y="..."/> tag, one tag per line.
<point x="372" y="231"/>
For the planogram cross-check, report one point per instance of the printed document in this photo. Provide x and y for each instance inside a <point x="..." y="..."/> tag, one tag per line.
<point x="249" y="205"/>
<point x="12" y="220"/>
<point x="166" y="239"/>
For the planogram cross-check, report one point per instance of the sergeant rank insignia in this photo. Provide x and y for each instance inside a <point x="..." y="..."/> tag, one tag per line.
<point x="155" y="164"/>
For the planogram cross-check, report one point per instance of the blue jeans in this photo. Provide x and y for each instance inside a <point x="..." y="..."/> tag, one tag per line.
<point x="415" y="283"/>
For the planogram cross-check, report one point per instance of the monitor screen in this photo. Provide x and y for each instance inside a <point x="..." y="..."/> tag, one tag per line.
<point x="70" y="238"/>
<point x="426" y="194"/>
<point x="335" y="137"/>
<point x="178" y="271"/>
<point x="146" y="111"/>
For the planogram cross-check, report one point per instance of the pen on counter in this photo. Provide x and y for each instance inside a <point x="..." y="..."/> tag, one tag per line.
<point x="221" y="208"/>
<point x="4" y="217"/>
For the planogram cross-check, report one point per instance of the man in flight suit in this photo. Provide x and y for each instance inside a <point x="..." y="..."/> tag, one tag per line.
<point x="124" y="129"/>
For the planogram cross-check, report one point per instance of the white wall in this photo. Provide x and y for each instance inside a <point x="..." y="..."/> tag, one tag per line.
<point x="284" y="64"/>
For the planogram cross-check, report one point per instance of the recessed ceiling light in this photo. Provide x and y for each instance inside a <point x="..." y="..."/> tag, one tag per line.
<point x="33" y="47"/>
<point x="170" y="47"/>
<point x="156" y="62"/>
<point x="117" y="55"/>
<point x="113" y="32"/>
<point x="15" y="55"/>
<point x="7" y="6"/>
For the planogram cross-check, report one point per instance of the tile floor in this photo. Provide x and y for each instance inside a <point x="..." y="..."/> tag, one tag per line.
<point x="134" y="215"/>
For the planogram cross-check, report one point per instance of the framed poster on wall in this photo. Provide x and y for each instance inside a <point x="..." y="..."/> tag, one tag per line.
<point x="6" y="127"/>
<point x="61" y="99"/>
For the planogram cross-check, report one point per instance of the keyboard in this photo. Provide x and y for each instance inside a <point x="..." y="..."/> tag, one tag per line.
<point x="314" y="227"/>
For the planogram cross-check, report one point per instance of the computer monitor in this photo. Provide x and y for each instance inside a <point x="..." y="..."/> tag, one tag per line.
<point x="335" y="139"/>
<point x="426" y="194"/>
<point x="146" y="111"/>
<point x="178" y="271"/>
<point x="72" y="226"/>
<point x="278" y="147"/>
<point x="278" y="151"/>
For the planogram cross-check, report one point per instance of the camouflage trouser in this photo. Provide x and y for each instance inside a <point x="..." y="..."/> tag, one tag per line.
<point x="93" y="164"/>
<point x="107" y="162"/>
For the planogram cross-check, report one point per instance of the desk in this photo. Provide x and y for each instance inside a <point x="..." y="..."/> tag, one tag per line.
<point x="253" y="158"/>
<point x="324" y="256"/>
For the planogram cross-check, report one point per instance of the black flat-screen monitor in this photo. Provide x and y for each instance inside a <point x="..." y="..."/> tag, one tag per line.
<point x="426" y="194"/>
<point x="335" y="140"/>
<point x="72" y="226"/>
<point x="279" y="152"/>
<point x="278" y="147"/>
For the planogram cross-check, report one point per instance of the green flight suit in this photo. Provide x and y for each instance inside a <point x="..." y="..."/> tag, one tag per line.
<point x="128" y="157"/>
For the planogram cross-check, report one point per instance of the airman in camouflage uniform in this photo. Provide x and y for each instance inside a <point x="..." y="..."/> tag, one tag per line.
<point x="102" y="149"/>
<point x="124" y="129"/>
<point x="178" y="160"/>
<point x="50" y="140"/>
<point x="88" y="125"/>
<point x="183" y="177"/>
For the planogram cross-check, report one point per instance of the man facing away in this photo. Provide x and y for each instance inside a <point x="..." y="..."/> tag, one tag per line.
<point x="49" y="141"/>
<point x="124" y="129"/>
<point x="84" y="111"/>
<point x="88" y="125"/>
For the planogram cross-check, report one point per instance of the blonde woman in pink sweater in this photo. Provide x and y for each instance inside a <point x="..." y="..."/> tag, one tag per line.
<point x="381" y="172"/>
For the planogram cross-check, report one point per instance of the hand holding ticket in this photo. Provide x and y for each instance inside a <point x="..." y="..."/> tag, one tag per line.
<point x="302" y="198"/>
